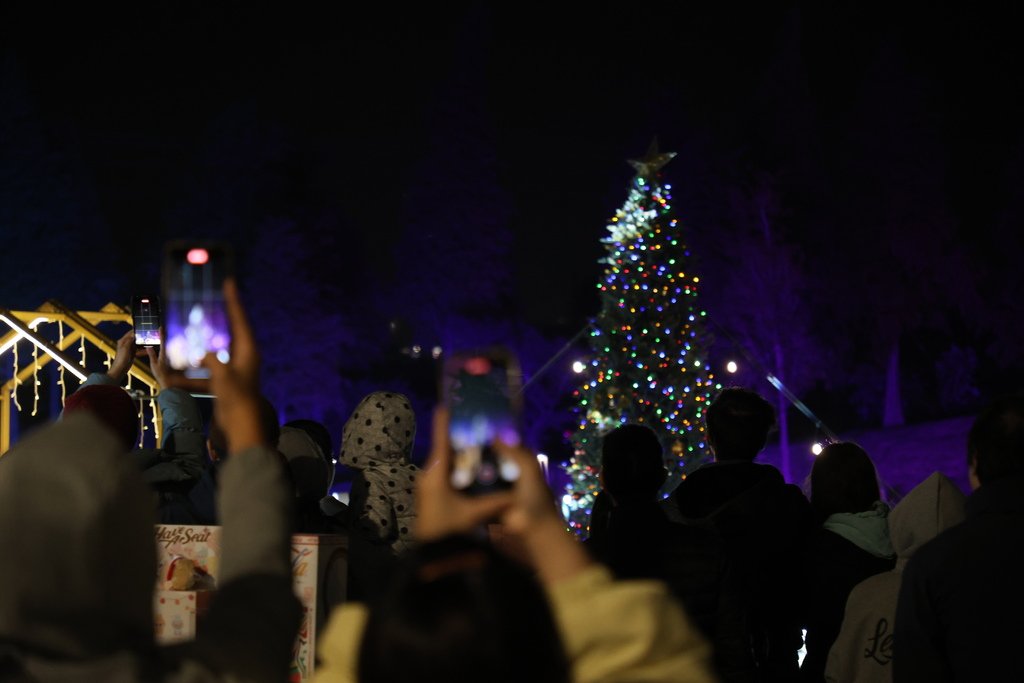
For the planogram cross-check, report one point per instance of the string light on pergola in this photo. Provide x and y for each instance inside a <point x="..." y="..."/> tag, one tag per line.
<point x="45" y="329"/>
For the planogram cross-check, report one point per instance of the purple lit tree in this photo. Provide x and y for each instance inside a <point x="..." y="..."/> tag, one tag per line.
<point x="894" y="264"/>
<point x="244" y="187"/>
<point x="765" y="299"/>
<point x="455" y="276"/>
<point x="303" y="337"/>
<point x="648" y="345"/>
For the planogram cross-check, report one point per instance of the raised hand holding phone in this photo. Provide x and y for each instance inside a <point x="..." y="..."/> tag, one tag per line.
<point x="146" y="320"/>
<point x="481" y="391"/>
<point x="533" y="526"/>
<point x="440" y="509"/>
<point x="527" y="513"/>
<point x="196" y="317"/>
<point x="124" y="356"/>
<point x="235" y="382"/>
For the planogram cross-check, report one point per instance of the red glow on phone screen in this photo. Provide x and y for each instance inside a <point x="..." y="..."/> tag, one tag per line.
<point x="478" y="366"/>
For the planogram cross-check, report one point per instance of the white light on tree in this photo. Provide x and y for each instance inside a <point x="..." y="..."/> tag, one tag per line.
<point x="817" y="448"/>
<point x="731" y="367"/>
<point x="578" y="367"/>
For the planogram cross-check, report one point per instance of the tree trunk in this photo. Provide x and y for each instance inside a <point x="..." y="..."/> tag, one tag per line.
<point x="783" y="410"/>
<point x="893" y="406"/>
<point x="779" y="355"/>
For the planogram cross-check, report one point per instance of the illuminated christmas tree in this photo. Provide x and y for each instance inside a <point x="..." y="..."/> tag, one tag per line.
<point x="647" y="362"/>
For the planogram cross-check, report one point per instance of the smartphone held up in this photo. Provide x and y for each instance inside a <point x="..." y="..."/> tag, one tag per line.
<point x="482" y="392"/>
<point x="195" y="320"/>
<point x="146" y="320"/>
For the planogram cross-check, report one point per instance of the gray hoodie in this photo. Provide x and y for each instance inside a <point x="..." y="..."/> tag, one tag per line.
<point x="863" y="651"/>
<point x="78" y="565"/>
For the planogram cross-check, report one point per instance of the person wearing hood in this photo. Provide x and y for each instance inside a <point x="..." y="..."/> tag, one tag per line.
<point x="199" y="505"/>
<point x="329" y="505"/>
<point x="376" y="442"/>
<point x="958" y="617"/>
<point x="78" y="578"/>
<point x="863" y="650"/>
<point x="311" y="478"/>
<point x="851" y="544"/>
<point x="763" y="521"/>
<point x="173" y="468"/>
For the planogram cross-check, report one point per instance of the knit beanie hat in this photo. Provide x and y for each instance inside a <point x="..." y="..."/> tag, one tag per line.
<point x="112" y="405"/>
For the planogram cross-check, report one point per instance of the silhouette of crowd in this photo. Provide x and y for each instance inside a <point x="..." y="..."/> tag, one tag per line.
<point x="736" y="576"/>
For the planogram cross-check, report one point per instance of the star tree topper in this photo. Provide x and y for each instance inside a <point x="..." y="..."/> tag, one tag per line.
<point x="626" y="224"/>
<point x="649" y="166"/>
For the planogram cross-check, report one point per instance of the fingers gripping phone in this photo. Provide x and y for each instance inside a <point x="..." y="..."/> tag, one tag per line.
<point x="196" y="320"/>
<point x="146" y="320"/>
<point x="482" y="392"/>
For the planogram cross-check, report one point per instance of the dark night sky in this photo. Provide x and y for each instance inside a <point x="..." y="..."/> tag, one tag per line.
<point x="562" y="96"/>
<point x="568" y="95"/>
